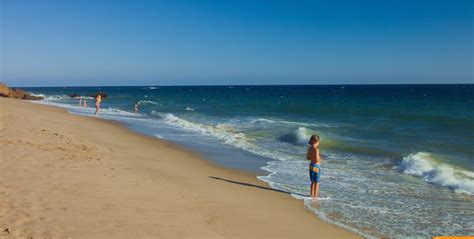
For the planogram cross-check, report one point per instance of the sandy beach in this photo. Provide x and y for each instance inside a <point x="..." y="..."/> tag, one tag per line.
<point x="69" y="176"/>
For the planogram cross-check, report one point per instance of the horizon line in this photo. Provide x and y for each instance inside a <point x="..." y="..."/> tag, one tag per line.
<point x="209" y="85"/>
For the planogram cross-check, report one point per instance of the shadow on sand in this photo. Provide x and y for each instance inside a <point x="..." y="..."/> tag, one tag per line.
<point x="256" y="186"/>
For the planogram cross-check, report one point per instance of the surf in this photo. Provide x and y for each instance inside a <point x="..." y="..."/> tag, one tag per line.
<point x="225" y="133"/>
<point x="423" y="165"/>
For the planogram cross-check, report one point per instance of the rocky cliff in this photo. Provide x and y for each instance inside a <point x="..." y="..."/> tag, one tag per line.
<point x="6" y="91"/>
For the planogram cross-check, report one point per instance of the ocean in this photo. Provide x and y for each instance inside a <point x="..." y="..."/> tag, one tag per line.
<point x="398" y="160"/>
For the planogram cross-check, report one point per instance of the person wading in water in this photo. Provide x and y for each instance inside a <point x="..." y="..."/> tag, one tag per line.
<point x="314" y="166"/>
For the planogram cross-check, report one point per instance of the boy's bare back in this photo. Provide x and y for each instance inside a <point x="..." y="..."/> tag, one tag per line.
<point x="313" y="154"/>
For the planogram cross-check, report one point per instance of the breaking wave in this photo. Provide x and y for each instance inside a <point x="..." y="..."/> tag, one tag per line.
<point x="39" y="95"/>
<point x="226" y="133"/>
<point x="62" y="97"/>
<point x="276" y="121"/>
<point x="423" y="165"/>
<point x="148" y="102"/>
<point x="299" y="136"/>
<point x="56" y="97"/>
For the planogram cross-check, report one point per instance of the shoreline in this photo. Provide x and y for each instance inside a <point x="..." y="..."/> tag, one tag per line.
<point x="82" y="177"/>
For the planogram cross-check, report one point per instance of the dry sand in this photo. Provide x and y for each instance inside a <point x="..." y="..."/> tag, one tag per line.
<point x="68" y="176"/>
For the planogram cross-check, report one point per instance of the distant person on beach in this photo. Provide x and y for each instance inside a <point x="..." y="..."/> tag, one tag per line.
<point x="98" y="99"/>
<point x="85" y="103"/>
<point x="314" y="167"/>
<point x="135" y="106"/>
<point x="80" y="102"/>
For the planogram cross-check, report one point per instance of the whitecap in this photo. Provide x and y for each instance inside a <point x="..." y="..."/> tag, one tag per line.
<point x="299" y="136"/>
<point x="296" y="123"/>
<point x="423" y="165"/>
<point x="148" y="102"/>
<point x="307" y="124"/>
<point x="262" y="120"/>
<point x="38" y="95"/>
<point x="56" y="97"/>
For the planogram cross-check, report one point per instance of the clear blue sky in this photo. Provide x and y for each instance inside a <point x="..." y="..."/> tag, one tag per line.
<point x="113" y="42"/>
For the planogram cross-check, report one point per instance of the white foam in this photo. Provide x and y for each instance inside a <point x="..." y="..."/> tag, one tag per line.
<point x="423" y="165"/>
<point x="302" y="135"/>
<point x="61" y="97"/>
<point x="227" y="134"/>
<point x="308" y="124"/>
<point x="112" y="112"/>
<point x="262" y="120"/>
<point x="305" y="198"/>
<point x="55" y="97"/>
<point x="148" y="102"/>
<point x="115" y="111"/>
<point x="308" y="206"/>
<point x="277" y="121"/>
<point x="38" y="95"/>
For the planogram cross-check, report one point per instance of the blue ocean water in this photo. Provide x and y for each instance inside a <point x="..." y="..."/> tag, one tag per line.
<point x="398" y="160"/>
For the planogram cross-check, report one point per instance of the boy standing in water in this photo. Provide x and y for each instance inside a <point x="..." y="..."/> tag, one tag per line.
<point x="314" y="167"/>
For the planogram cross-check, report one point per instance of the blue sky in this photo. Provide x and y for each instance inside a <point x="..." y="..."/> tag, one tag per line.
<point x="106" y="42"/>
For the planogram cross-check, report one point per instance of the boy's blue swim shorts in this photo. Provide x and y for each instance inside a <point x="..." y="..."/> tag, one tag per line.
<point x="314" y="172"/>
